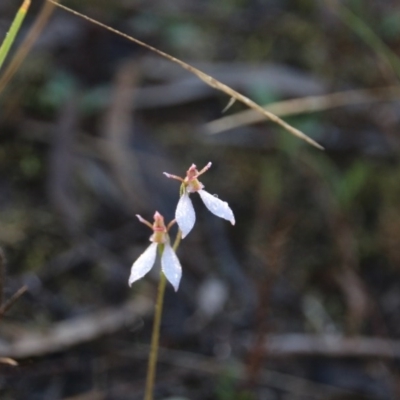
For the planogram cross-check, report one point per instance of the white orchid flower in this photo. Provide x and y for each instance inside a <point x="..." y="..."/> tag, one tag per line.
<point x="170" y="264"/>
<point x="184" y="214"/>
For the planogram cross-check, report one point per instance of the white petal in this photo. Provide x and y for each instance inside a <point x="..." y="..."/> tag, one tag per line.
<point x="143" y="264"/>
<point x="184" y="214"/>
<point x="216" y="206"/>
<point x="171" y="266"/>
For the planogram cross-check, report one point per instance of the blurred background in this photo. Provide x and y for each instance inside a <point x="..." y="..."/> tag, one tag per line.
<point x="300" y="299"/>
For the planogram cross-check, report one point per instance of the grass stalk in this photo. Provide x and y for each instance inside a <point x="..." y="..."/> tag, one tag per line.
<point x="155" y="336"/>
<point x="12" y="33"/>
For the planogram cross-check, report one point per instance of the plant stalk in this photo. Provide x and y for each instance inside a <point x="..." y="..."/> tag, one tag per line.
<point x="155" y="336"/>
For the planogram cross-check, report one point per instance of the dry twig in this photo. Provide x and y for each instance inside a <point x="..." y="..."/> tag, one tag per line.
<point x="9" y="303"/>
<point x="63" y="335"/>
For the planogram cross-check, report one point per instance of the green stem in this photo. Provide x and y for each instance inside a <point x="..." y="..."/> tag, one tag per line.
<point x="155" y="336"/>
<point x="12" y="33"/>
<point x="155" y="339"/>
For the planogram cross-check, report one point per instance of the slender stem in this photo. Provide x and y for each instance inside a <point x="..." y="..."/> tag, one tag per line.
<point x="177" y="240"/>
<point x="155" y="336"/>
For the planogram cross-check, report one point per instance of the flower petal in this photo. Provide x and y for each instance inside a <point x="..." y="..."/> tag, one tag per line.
<point x="171" y="266"/>
<point x="143" y="264"/>
<point x="185" y="215"/>
<point x="216" y="206"/>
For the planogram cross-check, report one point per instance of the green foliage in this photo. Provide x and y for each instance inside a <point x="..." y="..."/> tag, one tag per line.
<point x="390" y="26"/>
<point x="262" y="94"/>
<point x="370" y="37"/>
<point x="351" y="183"/>
<point x="227" y="389"/>
<point x="272" y="180"/>
<point x="55" y="92"/>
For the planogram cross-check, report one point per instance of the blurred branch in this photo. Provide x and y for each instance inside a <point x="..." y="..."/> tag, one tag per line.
<point x="9" y="303"/>
<point x="4" y="307"/>
<point x="62" y="164"/>
<point x="118" y="130"/>
<point x="297" y="344"/>
<point x="63" y="335"/>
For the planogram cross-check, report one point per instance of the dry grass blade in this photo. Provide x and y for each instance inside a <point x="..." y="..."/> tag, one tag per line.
<point x="305" y="105"/>
<point x="229" y="105"/>
<point x="209" y="80"/>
